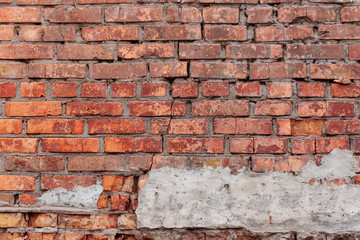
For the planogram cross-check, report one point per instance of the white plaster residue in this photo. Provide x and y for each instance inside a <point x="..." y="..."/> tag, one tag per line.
<point x="269" y="202"/>
<point x="80" y="197"/>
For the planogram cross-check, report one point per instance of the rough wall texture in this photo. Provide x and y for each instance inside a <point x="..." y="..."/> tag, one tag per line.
<point x="98" y="95"/>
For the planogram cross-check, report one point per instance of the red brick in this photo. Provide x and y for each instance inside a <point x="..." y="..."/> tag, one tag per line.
<point x="273" y="108"/>
<point x="323" y="51"/>
<point x="71" y="236"/>
<point x="130" y="144"/>
<point x="277" y="70"/>
<point x="153" y="89"/>
<point x="229" y="1"/>
<point x="335" y="71"/>
<point x="334" y="127"/>
<point x="6" y="200"/>
<point x="70" y="145"/>
<point x="7" y="90"/>
<point x="221" y="15"/>
<point x="34" y="164"/>
<point x="281" y="33"/>
<point x="12" y="70"/>
<point x="178" y="109"/>
<point x="75" y="15"/>
<point x="12" y="220"/>
<point x="303" y="146"/>
<point x="6" y="33"/>
<point x="150" y="109"/>
<point x="136" y="51"/>
<point x="102" y="203"/>
<point x="103" y="1"/>
<point x="188" y="126"/>
<point x="117" y="70"/>
<point x="120" y="202"/>
<point x="225" y="33"/>
<point x="270" y="164"/>
<point x="47" y="33"/>
<point x="221" y="108"/>
<point x="173" y="14"/>
<point x="32" y="109"/>
<point x="350" y="14"/>
<point x="195" y="145"/>
<point x="356" y="145"/>
<point x="63" y="89"/>
<point x="97" y="163"/>
<point x="254" y="51"/>
<point x="160" y="126"/>
<point x="56" y="70"/>
<point x="339" y="31"/>
<point x="168" y="70"/>
<point x="67" y="182"/>
<point x="20" y="15"/>
<point x="326" y="145"/>
<point x="169" y="161"/>
<point x="26" y="52"/>
<point x="42" y="236"/>
<point x="33" y="89"/>
<point x="86" y="108"/>
<point x="133" y="14"/>
<point x="300" y="127"/>
<point x="283" y="126"/>
<point x="215" y="88"/>
<point x="116" y="126"/>
<point x="218" y="70"/>
<point x="224" y="125"/>
<point x="199" y="51"/>
<point x="100" y="221"/>
<point x="55" y="126"/>
<point x="241" y="145"/>
<point x="313" y="13"/>
<point x="143" y="163"/>
<point x="320" y="109"/>
<point x="29" y="200"/>
<point x="110" y="33"/>
<point x="118" y="183"/>
<point x="269" y="145"/>
<point x="44" y="2"/>
<point x="84" y="52"/>
<point x="39" y="220"/>
<point x="354" y="52"/>
<point x="253" y="126"/>
<point x="184" y="90"/>
<point x="311" y="90"/>
<point x="259" y="15"/>
<point x="172" y="32"/>
<point x="247" y="89"/>
<point x="120" y="90"/>
<point x="93" y="90"/>
<point x="17" y="183"/>
<point x="279" y="90"/>
<point x="277" y="1"/>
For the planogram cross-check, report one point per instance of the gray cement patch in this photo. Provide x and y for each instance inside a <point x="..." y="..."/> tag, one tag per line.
<point x="269" y="202"/>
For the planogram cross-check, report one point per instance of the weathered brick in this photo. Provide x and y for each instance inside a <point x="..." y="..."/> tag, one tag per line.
<point x="339" y="31"/>
<point x="131" y="144"/>
<point x="265" y="108"/>
<point x="71" y="236"/>
<point x="56" y="70"/>
<point x="236" y="163"/>
<point x="326" y="145"/>
<point x="120" y="202"/>
<point x="93" y="90"/>
<point x="12" y="70"/>
<point x="125" y="89"/>
<point x="299" y="127"/>
<point x="34" y="164"/>
<point x="195" y="145"/>
<point x="6" y="200"/>
<point x="172" y="32"/>
<point x="221" y="108"/>
<point x="354" y="52"/>
<point x="313" y="13"/>
<point x="110" y="33"/>
<point x="244" y="51"/>
<point x="169" y="161"/>
<point x="39" y="220"/>
<point x="12" y="220"/>
<point x="218" y="70"/>
<point x="277" y="70"/>
<point x="350" y="14"/>
<point x="32" y="109"/>
<point x="55" y="126"/>
<point x="70" y="145"/>
<point x="160" y="126"/>
<point x="253" y="126"/>
<point x="279" y="90"/>
<point x="87" y="108"/>
<point x="127" y="221"/>
<point x="320" y="109"/>
<point x="75" y="15"/>
<point x="168" y="70"/>
<point x="335" y="71"/>
<point x="103" y="1"/>
<point x="6" y="33"/>
<point x="68" y="182"/>
<point x="150" y="108"/>
<point x="184" y="89"/>
<point x="116" y="126"/>
<point x="269" y="145"/>
<point x="323" y="51"/>
<point x="281" y="33"/>
<point x="153" y="89"/>
<point x="118" y="183"/>
<point x="102" y="203"/>
<point x="311" y="90"/>
<point x="259" y="15"/>
<point x="26" y="52"/>
<point x="47" y="33"/>
<point x="29" y="199"/>
<point x="225" y="33"/>
<point x="33" y="89"/>
<point x="241" y="145"/>
<point x="84" y="52"/>
<point x="16" y="183"/>
<point x="118" y="70"/>
<point x="215" y="88"/>
<point x="178" y="109"/>
<point x="271" y="164"/>
<point x="143" y="163"/>
<point x="199" y="51"/>
<point x="97" y="163"/>
<point x="248" y="89"/>
<point x="229" y="1"/>
<point x="63" y="89"/>
<point x="188" y="126"/>
<point x="135" y="51"/>
<point x="20" y="15"/>
<point x="44" y="2"/>
<point x="42" y="236"/>
<point x="7" y="90"/>
<point x="100" y="221"/>
<point x="173" y="14"/>
<point x="224" y="125"/>
<point x="221" y="15"/>
<point x="342" y="91"/>
<point x="133" y="14"/>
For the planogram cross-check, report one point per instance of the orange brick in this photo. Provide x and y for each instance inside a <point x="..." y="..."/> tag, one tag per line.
<point x="20" y="15"/>
<point x="279" y="90"/>
<point x="32" y="109"/>
<point x="136" y="51"/>
<point x="188" y="126"/>
<point x="269" y="145"/>
<point x="134" y="14"/>
<point x="26" y="52"/>
<point x="100" y="221"/>
<point x="40" y="220"/>
<point x="70" y="145"/>
<point x="64" y="89"/>
<point x="110" y="33"/>
<point x="118" y="183"/>
<point x="84" y="52"/>
<point x="55" y="126"/>
<point x="33" y="89"/>
<point x="67" y="182"/>
<point x="195" y="145"/>
<point x="116" y="126"/>
<point x="93" y="90"/>
<point x="12" y="220"/>
<point x="56" y="70"/>
<point x="119" y="90"/>
<point x="241" y="145"/>
<point x="17" y="183"/>
<point x="87" y="108"/>
<point x="150" y="108"/>
<point x="47" y="33"/>
<point x="7" y="90"/>
<point x="184" y="89"/>
<point x="139" y="144"/>
<point x="221" y="108"/>
<point x="97" y="163"/>
<point x="75" y="15"/>
<point x="34" y="164"/>
<point x="168" y="70"/>
<point x="6" y="33"/>
<point x="19" y="145"/>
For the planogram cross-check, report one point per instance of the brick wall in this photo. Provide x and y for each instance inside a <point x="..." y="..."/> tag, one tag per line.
<point x="99" y="92"/>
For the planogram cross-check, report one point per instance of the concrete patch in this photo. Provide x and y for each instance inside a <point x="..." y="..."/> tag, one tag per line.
<point x="269" y="202"/>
